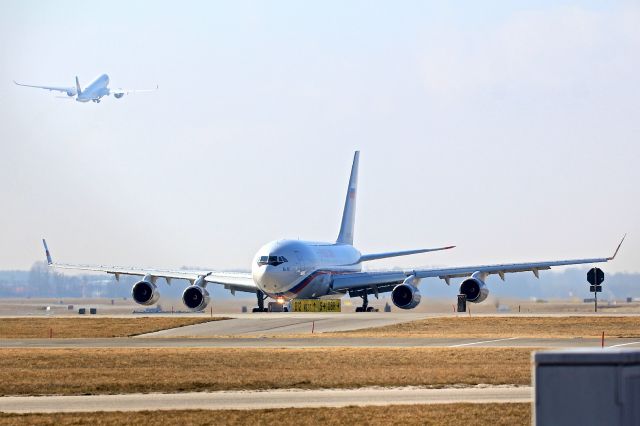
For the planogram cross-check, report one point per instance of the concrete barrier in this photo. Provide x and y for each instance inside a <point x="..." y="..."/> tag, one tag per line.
<point x="587" y="387"/>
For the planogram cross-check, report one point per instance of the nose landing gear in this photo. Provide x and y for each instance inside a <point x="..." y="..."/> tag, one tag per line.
<point x="261" y="298"/>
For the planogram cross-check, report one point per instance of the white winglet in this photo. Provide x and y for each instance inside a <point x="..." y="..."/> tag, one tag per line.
<point x="46" y="251"/>
<point x="617" y="248"/>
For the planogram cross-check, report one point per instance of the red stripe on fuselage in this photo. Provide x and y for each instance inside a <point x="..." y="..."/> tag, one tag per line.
<point x="306" y="281"/>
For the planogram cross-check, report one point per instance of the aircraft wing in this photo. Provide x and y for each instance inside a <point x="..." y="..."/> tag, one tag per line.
<point x="379" y="282"/>
<point x="233" y="281"/>
<point x="122" y="92"/>
<point x="71" y="90"/>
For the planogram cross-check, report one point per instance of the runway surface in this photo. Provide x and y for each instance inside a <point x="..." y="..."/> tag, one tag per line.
<point x="264" y="399"/>
<point x="288" y="323"/>
<point x="276" y="342"/>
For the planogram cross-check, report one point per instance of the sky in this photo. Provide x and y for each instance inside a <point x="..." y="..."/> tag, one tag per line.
<point x="509" y="129"/>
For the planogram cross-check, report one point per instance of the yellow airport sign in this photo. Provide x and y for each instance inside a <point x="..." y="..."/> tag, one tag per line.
<point x="315" y="305"/>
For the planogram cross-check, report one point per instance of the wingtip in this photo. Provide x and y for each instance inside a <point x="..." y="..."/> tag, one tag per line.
<point x="46" y="252"/>
<point x="618" y="248"/>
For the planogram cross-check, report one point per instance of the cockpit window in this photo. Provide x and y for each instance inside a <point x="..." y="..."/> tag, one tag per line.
<point x="271" y="260"/>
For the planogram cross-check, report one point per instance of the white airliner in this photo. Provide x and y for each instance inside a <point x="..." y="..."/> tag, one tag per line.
<point x="98" y="88"/>
<point x="289" y="269"/>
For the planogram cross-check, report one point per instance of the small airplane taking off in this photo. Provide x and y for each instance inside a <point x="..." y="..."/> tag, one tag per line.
<point x="289" y="269"/>
<point x="98" y="88"/>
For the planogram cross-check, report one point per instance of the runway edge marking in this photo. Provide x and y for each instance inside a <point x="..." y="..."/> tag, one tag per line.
<point x="484" y="341"/>
<point x="622" y="344"/>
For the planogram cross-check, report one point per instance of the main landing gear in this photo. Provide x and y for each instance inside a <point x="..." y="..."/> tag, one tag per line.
<point x="261" y="298"/>
<point x="365" y="304"/>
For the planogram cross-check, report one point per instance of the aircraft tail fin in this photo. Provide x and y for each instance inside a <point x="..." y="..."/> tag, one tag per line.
<point x="349" y="213"/>
<point x="78" y="89"/>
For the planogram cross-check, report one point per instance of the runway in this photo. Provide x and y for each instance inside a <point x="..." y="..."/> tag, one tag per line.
<point x="288" y="323"/>
<point x="244" y="400"/>
<point x="311" y="342"/>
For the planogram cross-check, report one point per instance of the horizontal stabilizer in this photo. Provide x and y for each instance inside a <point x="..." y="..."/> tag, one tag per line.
<point x="376" y="256"/>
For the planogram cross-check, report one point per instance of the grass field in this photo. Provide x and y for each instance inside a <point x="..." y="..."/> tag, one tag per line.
<point x="488" y="327"/>
<point x="28" y="328"/>
<point x="445" y="415"/>
<point x="100" y="371"/>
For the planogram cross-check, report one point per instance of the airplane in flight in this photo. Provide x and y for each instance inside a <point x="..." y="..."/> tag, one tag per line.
<point x="93" y="92"/>
<point x="289" y="269"/>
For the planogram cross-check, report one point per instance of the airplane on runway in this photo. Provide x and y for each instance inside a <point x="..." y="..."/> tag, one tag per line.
<point x="289" y="269"/>
<point x="94" y="92"/>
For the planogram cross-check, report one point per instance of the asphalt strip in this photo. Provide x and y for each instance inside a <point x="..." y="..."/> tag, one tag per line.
<point x="245" y="400"/>
<point x="483" y="342"/>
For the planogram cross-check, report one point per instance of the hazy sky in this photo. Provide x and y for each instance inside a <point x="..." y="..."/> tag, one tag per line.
<point x="508" y="128"/>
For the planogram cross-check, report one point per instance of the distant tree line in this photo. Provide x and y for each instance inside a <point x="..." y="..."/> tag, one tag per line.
<point x="42" y="281"/>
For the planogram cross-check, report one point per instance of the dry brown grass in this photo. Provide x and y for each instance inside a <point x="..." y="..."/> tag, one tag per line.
<point x="445" y="415"/>
<point x="28" y="328"/>
<point x="489" y="327"/>
<point x="99" y="371"/>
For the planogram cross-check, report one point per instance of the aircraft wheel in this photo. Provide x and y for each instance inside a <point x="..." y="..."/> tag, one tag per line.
<point x="370" y="309"/>
<point x="359" y="309"/>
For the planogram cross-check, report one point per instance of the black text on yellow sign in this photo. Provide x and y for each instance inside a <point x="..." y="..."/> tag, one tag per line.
<point x="315" y="305"/>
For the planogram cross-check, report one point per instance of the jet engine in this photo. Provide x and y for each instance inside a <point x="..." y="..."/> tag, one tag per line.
<point x="118" y="95"/>
<point x="406" y="295"/>
<point x="474" y="288"/>
<point x="71" y="94"/>
<point x="195" y="298"/>
<point x="145" y="293"/>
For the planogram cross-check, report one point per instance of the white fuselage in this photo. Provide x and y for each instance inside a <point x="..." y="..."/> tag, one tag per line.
<point x="290" y="268"/>
<point x="95" y="90"/>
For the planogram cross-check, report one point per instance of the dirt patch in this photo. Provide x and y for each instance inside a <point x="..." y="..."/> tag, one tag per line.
<point x="29" y="328"/>
<point x="497" y="327"/>
<point x="101" y="371"/>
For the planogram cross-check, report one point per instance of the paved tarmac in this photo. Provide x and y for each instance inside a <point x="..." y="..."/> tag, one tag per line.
<point x="288" y="323"/>
<point x="311" y="342"/>
<point x="264" y="399"/>
<point x="292" y="323"/>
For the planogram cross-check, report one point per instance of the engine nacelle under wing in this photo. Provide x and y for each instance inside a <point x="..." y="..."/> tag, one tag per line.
<point x="195" y="298"/>
<point x="406" y="295"/>
<point x="145" y="293"/>
<point x="118" y="95"/>
<point x="475" y="289"/>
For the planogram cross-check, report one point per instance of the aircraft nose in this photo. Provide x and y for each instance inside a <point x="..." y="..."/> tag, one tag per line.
<point x="262" y="273"/>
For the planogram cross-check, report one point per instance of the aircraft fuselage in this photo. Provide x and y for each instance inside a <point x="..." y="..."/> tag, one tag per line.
<point x="95" y="90"/>
<point x="290" y="268"/>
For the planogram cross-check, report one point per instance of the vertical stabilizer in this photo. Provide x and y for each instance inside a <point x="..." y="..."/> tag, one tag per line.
<point x="349" y="214"/>
<point x="78" y="89"/>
